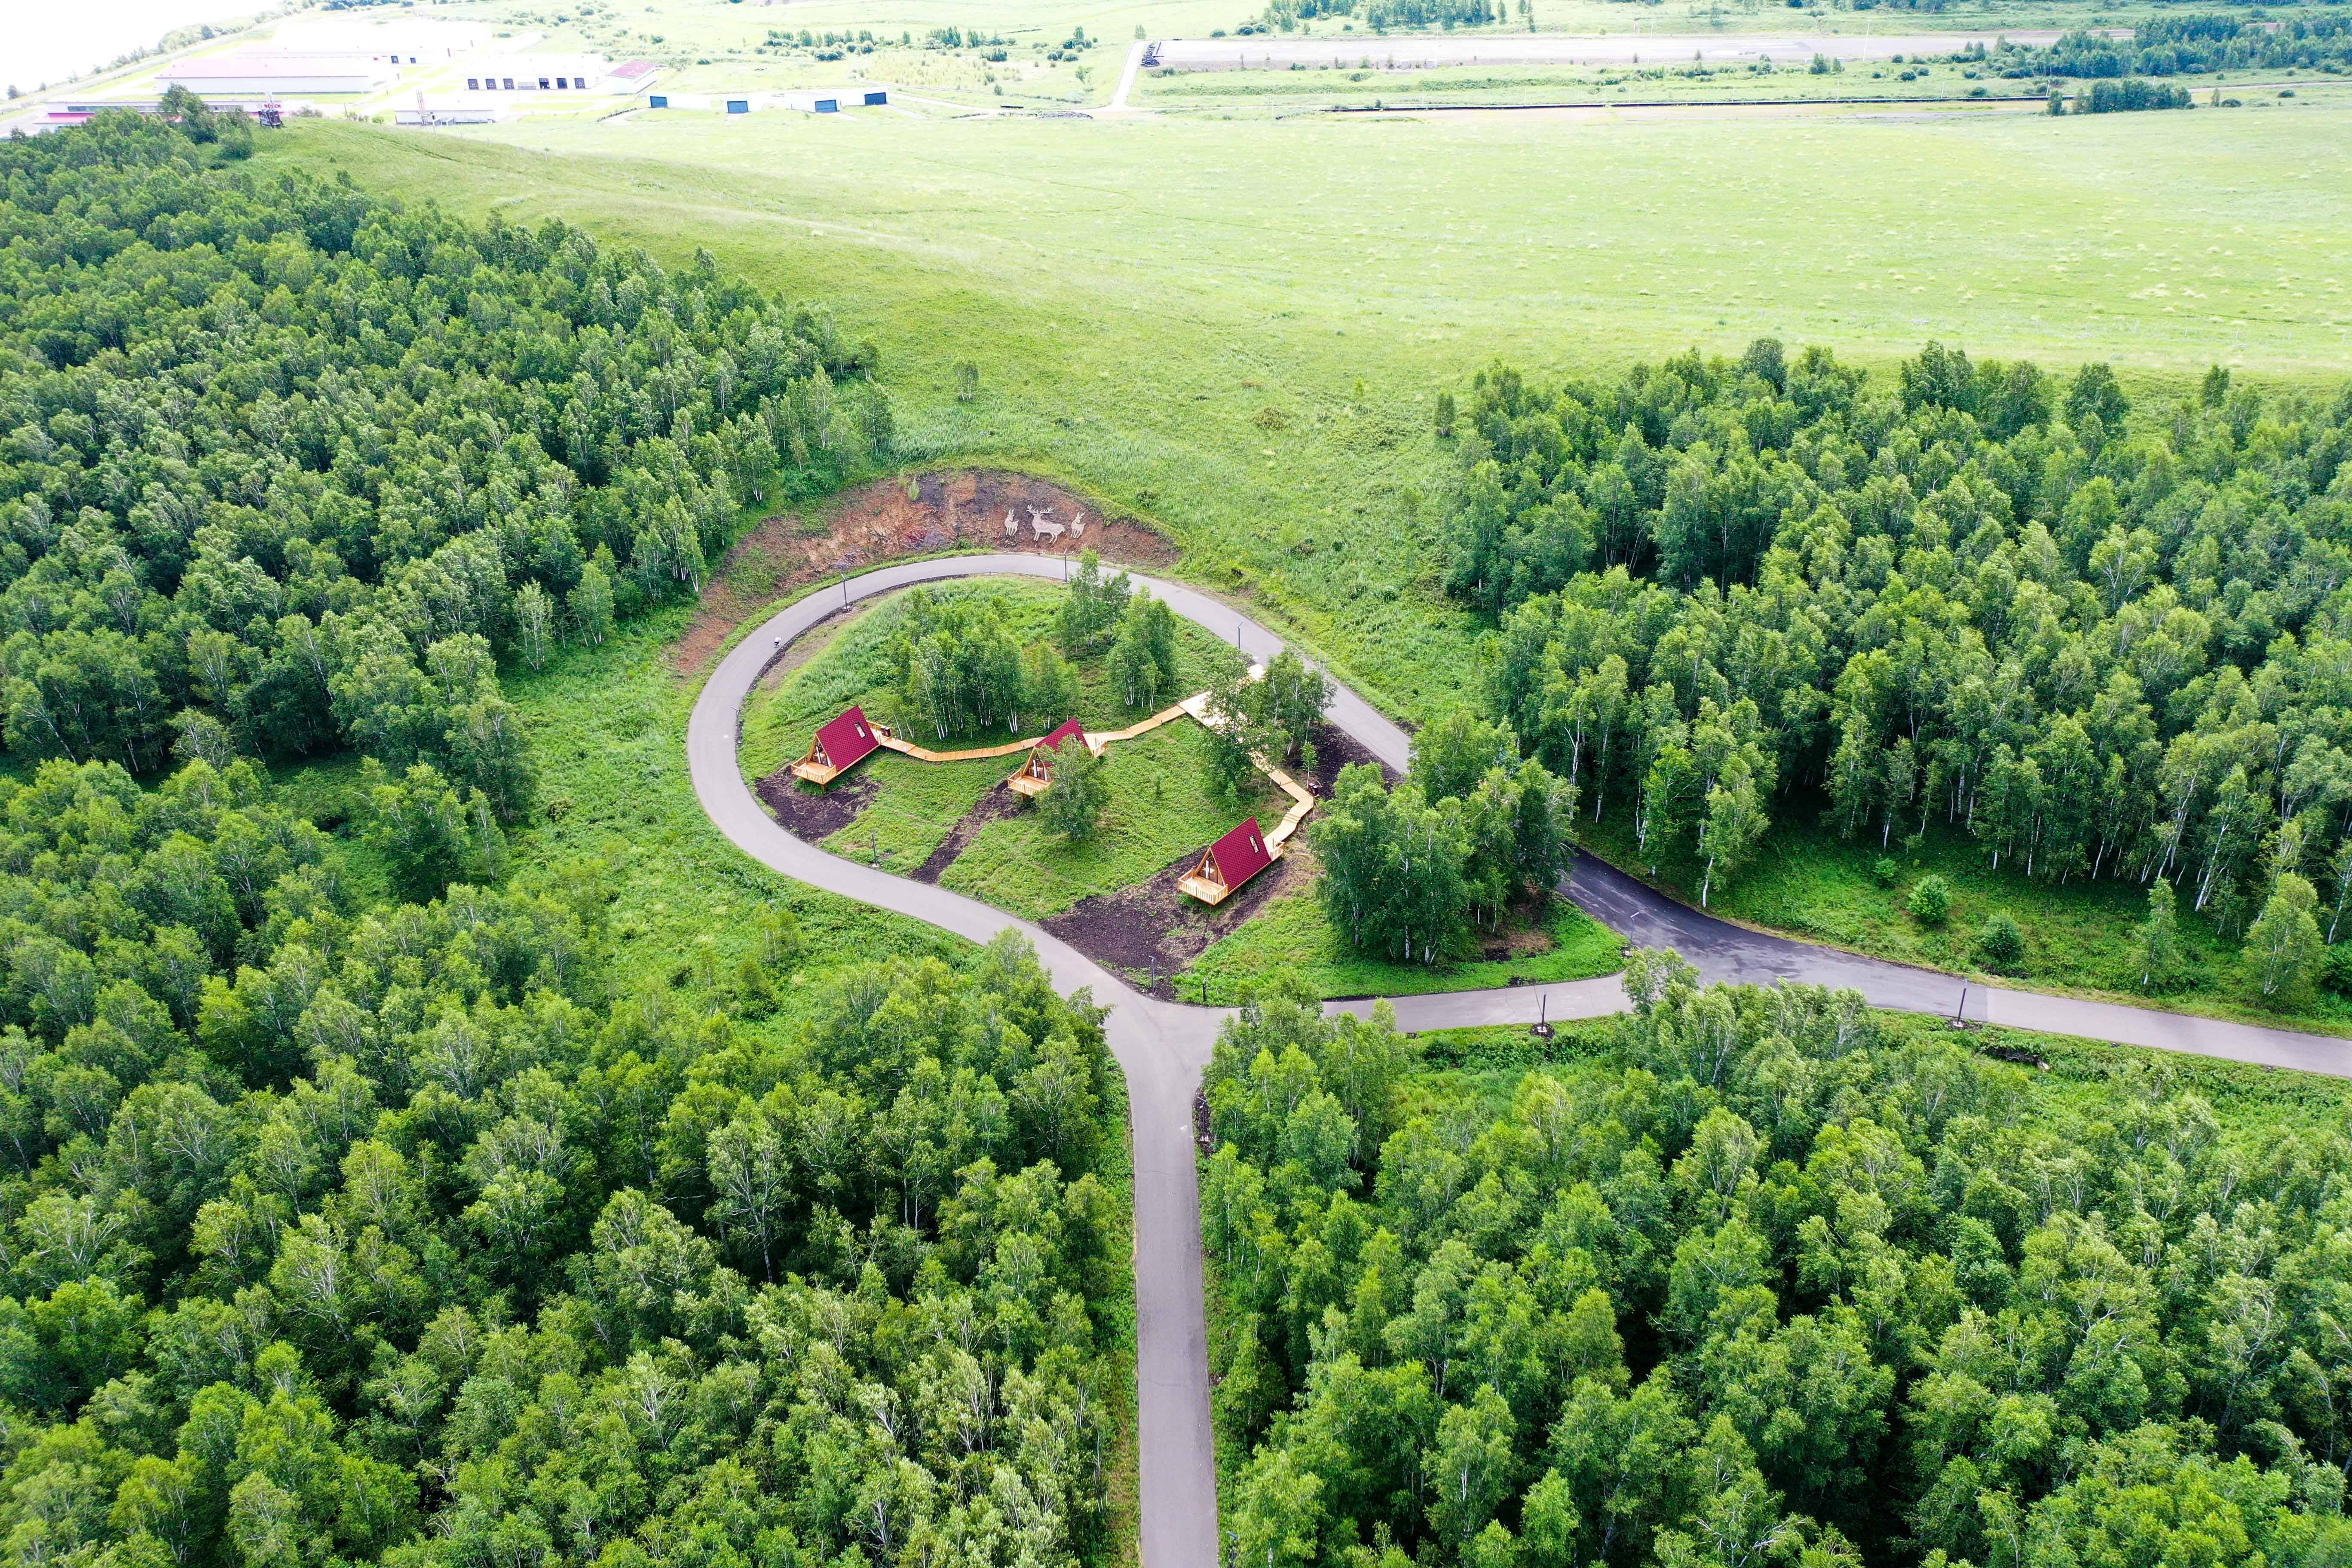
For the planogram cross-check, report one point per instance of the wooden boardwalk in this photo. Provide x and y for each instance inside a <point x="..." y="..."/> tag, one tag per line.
<point x="1302" y="801"/>
<point x="925" y="755"/>
<point x="1196" y="707"/>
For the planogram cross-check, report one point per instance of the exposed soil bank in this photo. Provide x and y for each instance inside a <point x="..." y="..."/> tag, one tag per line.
<point x="878" y="523"/>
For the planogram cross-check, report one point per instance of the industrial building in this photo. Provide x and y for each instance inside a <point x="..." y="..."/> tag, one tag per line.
<point x="282" y="72"/>
<point x="539" y="73"/>
<point x="832" y="101"/>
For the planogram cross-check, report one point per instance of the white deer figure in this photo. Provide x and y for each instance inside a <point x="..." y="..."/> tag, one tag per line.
<point x="1078" y="526"/>
<point x="1011" y="527"/>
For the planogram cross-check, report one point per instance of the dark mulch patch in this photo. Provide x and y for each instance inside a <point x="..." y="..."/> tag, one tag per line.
<point x="1334" y="750"/>
<point x="997" y="804"/>
<point x="812" y="814"/>
<point x="1149" y="927"/>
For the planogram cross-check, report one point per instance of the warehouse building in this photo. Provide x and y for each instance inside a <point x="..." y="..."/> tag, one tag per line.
<point x="832" y="101"/>
<point x="542" y="73"/>
<point x="283" y="72"/>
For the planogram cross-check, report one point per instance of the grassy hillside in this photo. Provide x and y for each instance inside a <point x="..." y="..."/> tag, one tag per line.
<point x="1237" y="330"/>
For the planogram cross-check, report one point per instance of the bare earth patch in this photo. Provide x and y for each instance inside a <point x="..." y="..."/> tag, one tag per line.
<point x="1150" y="929"/>
<point x="994" y="807"/>
<point x="961" y="508"/>
<point x="810" y="813"/>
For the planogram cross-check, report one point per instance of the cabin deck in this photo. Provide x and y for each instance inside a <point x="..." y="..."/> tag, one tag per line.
<point x="1207" y="890"/>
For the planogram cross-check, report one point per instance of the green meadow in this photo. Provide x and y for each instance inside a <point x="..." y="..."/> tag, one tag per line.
<point x="1161" y="804"/>
<point x="1292" y="937"/>
<point x="1236" y="331"/>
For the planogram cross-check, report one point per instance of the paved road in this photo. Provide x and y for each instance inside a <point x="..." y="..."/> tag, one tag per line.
<point x="1127" y="76"/>
<point x="1163" y="1047"/>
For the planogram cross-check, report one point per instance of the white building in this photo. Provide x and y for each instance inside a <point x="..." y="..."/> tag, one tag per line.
<point x="401" y="40"/>
<point x="832" y="100"/>
<point x="276" y="71"/>
<point x="541" y="73"/>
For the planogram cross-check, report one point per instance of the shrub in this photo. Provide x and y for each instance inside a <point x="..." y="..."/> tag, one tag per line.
<point x="1931" y="901"/>
<point x="1886" y="873"/>
<point x="1073" y="805"/>
<point x="2001" y="945"/>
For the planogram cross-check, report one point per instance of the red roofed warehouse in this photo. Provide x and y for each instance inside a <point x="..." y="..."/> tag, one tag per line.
<point x="839" y="746"/>
<point x="1035" y="776"/>
<point x="1228" y="863"/>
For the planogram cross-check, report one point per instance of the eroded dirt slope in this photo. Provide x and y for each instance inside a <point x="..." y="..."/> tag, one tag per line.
<point x="963" y="508"/>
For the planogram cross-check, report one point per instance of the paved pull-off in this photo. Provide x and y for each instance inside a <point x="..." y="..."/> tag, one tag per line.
<point x="1162" y="1047"/>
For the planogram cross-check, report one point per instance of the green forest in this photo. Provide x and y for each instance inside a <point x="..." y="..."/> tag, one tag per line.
<point x="286" y="469"/>
<point x="356" y="1205"/>
<point x="1967" y="597"/>
<point x="367" y="1197"/>
<point x="1756" y="1280"/>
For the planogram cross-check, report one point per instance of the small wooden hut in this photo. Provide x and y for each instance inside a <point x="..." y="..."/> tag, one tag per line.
<point x="1034" y="776"/>
<point x="839" y="746"/>
<point x="1228" y="863"/>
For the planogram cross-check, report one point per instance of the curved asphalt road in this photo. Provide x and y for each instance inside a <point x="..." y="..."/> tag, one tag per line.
<point x="1162" y="1047"/>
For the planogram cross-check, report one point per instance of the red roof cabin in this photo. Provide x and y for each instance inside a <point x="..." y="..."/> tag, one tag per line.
<point x="1034" y="776"/>
<point x="1228" y="863"/>
<point x="840" y="746"/>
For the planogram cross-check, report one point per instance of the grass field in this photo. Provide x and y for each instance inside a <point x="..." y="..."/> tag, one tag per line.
<point x="1161" y="807"/>
<point x="2078" y="936"/>
<point x="1161" y="804"/>
<point x="1291" y="936"/>
<point x="707" y="46"/>
<point x="1267" y="91"/>
<point x="854" y="667"/>
<point x="1236" y="329"/>
<point x="2253" y="1105"/>
<point x="608" y="731"/>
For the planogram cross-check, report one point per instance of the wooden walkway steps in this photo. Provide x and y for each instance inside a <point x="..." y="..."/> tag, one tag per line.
<point x="1098" y="738"/>
<point x="925" y="755"/>
<point x="1196" y="707"/>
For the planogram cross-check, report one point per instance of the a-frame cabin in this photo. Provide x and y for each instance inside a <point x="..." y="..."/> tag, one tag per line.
<point x="1034" y="776"/>
<point x="839" y="746"/>
<point x="1225" y="864"/>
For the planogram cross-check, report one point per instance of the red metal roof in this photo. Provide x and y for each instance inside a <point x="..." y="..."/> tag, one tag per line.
<point x="1241" y="854"/>
<point x="847" y="739"/>
<point x="1067" y="728"/>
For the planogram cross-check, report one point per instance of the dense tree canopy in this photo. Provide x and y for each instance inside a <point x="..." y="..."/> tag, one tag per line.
<point x="343" y="1233"/>
<point x="335" y="1229"/>
<point x="2105" y="643"/>
<point x="284" y="467"/>
<point x="1763" y="1285"/>
<point x="2163" y="45"/>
